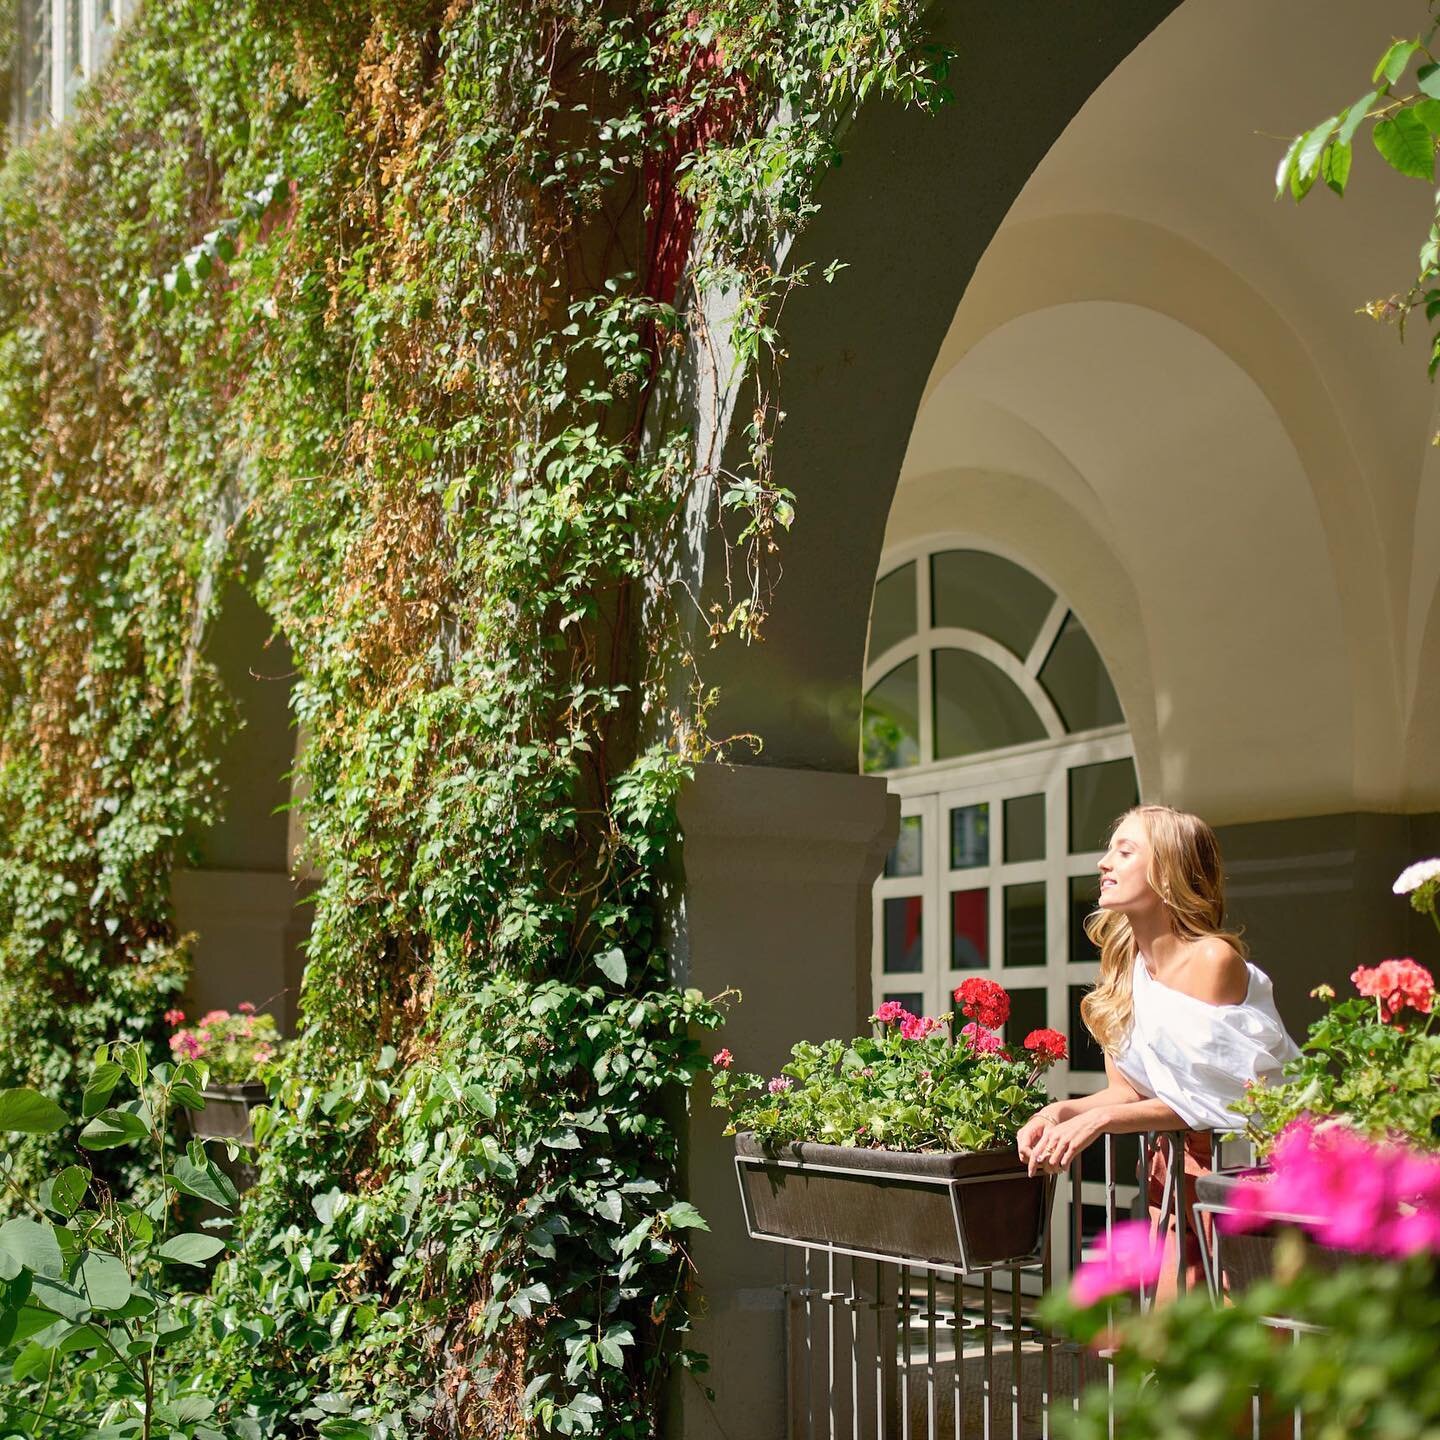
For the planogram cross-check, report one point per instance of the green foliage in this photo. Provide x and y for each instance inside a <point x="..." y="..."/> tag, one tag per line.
<point x="444" y="269"/>
<point x="1380" y="1077"/>
<point x="91" y="1320"/>
<point x="887" y="1092"/>
<point x="1189" y="1370"/>
<point x="1405" y="129"/>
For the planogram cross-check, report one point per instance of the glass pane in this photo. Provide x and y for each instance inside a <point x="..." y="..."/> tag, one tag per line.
<point x="892" y="611"/>
<point x="977" y="707"/>
<point x="1099" y="796"/>
<point x="1084" y="894"/>
<point x="1076" y="680"/>
<point x="902" y="935"/>
<point x="975" y="591"/>
<point x="1085" y="1054"/>
<point x="1027" y="1013"/>
<point x="969" y="836"/>
<point x="969" y="929"/>
<point x="1024" y="829"/>
<point x="905" y="858"/>
<point x="890" y="725"/>
<point x="1025" y="924"/>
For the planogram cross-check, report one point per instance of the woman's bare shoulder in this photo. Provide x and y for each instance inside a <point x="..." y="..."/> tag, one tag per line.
<point x="1215" y="972"/>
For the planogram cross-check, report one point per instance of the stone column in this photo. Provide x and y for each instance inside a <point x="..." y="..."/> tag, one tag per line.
<point x="779" y="866"/>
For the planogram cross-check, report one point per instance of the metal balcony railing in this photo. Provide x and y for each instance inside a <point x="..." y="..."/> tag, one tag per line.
<point x="877" y="1349"/>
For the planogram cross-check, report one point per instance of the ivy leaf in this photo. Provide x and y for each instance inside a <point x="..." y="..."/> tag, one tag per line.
<point x="1406" y="145"/>
<point x="682" y="1215"/>
<point x="1392" y="63"/>
<point x="1335" y="167"/>
<point x="613" y="967"/>
<point x="27" y="1112"/>
<point x="111" y="1128"/>
<point x="105" y="1280"/>
<point x="99" y="1088"/>
<point x="206" y="1181"/>
<point x="1351" y="118"/>
<point x="63" y="1193"/>
<point x="29" y="1245"/>
<point x="34" y="1360"/>
<point x="190" y="1248"/>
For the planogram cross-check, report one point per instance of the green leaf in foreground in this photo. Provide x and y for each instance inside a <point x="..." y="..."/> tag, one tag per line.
<point x="25" y="1112"/>
<point x="190" y="1248"/>
<point x="1406" y="145"/>
<point x="30" y="1245"/>
<point x="111" y="1128"/>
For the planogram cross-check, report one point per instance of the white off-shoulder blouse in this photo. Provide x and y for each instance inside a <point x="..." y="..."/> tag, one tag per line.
<point x="1199" y="1057"/>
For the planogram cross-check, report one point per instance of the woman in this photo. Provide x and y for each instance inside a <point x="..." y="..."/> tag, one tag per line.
<point x="1186" y="1022"/>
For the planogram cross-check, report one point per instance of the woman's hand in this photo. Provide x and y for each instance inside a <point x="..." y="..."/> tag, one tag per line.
<point x="1032" y="1130"/>
<point x="1057" y="1145"/>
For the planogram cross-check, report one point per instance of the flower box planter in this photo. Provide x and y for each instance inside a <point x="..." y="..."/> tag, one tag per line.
<point x="226" y="1115"/>
<point x="970" y="1212"/>
<point x="1246" y="1259"/>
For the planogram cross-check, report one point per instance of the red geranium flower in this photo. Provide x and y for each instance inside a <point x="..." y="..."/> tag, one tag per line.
<point x="1047" y="1046"/>
<point x="983" y="1001"/>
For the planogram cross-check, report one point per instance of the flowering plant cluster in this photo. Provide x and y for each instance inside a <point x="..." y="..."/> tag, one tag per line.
<point x="1371" y="1058"/>
<point x="910" y="1086"/>
<point x="231" y="1047"/>
<point x="1377" y="1199"/>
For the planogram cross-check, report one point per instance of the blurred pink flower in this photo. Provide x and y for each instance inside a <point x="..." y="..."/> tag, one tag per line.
<point x="1349" y="1192"/>
<point x="174" y="1017"/>
<point x="245" y="1008"/>
<point x="722" y="1060"/>
<point x="780" y="1084"/>
<point x="1131" y="1257"/>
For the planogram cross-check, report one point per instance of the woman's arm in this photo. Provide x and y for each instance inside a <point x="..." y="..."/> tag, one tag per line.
<point x="1058" y="1145"/>
<point x="1117" y="1091"/>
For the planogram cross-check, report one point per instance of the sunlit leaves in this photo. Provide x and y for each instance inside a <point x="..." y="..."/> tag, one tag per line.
<point x="1407" y="144"/>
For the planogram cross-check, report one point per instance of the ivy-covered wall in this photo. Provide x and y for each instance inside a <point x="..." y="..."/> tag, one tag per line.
<point x="383" y="312"/>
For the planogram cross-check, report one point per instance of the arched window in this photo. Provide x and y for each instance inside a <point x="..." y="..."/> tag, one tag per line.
<point x="990" y="711"/>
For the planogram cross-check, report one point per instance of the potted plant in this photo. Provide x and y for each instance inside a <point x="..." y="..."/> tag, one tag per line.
<point x="898" y="1145"/>
<point x="231" y="1048"/>
<point x="1368" y="1065"/>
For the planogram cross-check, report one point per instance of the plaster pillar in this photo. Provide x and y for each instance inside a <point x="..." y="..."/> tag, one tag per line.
<point x="779" y="866"/>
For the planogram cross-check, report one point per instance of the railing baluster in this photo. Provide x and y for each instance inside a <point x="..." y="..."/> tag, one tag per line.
<point x="902" y="1307"/>
<point x="932" y="1394"/>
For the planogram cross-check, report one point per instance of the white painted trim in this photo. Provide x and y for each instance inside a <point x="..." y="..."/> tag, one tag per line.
<point x="1046" y="637"/>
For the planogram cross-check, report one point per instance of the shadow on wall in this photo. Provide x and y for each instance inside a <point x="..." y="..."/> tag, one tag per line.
<point x="1314" y="897"/>
<point x="249" y="915"/>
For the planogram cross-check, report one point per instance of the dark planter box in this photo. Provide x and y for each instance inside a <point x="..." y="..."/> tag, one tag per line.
<point x="226" y="1115"/>
<point x="1246" y="1259"/>
<point x="970" y="1212"/>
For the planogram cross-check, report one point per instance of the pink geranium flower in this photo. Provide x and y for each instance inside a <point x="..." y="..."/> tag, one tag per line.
<point x="780" y="1084"/>
<point x="890" y="1012"/>
<point x="985" y="1042"/>
<point x="1348" y="1192"/>
<point x="1396" y="984"/>
<point x="1130" y="1258"/>
<point x="722" y="1060"/>
<point x="917" y="1027"/>
<point x="174" y="1017"/>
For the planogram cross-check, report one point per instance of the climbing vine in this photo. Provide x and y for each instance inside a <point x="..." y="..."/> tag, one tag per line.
<point x="395" y="314"/>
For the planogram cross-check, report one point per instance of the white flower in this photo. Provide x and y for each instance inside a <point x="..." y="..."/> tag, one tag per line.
<point x="1412" y="877"/>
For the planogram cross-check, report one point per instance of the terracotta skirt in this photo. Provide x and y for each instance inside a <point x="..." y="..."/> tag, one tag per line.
<point x="1198" y="1145"/>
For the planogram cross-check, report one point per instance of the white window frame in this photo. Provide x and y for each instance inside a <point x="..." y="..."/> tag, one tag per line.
<point x="931" y="788"/>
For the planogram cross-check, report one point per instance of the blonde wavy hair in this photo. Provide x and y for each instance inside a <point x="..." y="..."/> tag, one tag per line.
<point x="1184" y="870"/>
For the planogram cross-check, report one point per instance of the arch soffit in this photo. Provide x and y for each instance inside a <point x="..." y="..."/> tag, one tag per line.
<point x="1041" y="264"/>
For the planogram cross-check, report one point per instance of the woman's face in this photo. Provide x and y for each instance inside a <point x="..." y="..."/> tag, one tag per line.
<point x="1124" y="869"/>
